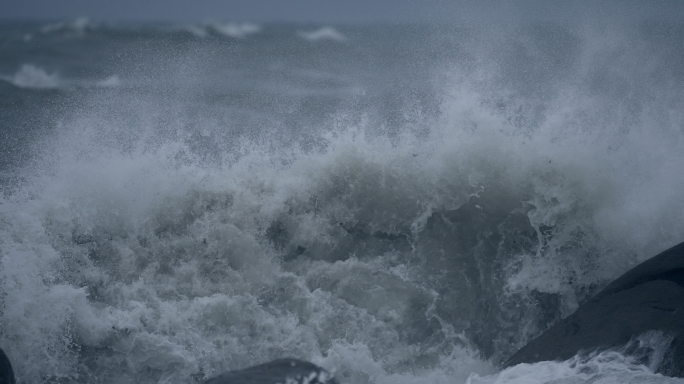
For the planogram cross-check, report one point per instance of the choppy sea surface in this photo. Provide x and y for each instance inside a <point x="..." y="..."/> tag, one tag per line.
<point x="396" y="203"/>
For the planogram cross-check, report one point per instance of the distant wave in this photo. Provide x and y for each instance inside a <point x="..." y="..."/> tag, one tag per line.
<point x="196" y="31"/>
<point x="78" y="26"/>
<point x="234" y="30"/>
<point x="30" y="76"/>
<point x="110" y="82"/>
<point x="325" y="33"/>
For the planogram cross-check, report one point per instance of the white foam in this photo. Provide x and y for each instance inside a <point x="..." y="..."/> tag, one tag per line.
<point x="605" y="368"/>
<point x="325" y="33"/>
<point x="202" y="313"/>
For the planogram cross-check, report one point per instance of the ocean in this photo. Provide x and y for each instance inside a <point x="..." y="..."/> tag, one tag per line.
<point x="396" y="203"/>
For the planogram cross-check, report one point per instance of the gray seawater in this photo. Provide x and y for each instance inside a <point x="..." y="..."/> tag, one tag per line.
<point x="399" y="204"/>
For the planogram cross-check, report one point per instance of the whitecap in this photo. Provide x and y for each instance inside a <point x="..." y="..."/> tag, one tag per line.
<point x="78" y="26"/>
<point x="325" y="33"/>
<point x="235" y="30"/>
<point x="111" y="81"/>
<point x="196" y="31"/>
<point x="30" y="76"/>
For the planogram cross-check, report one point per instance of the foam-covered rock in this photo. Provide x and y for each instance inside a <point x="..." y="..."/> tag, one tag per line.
<point x="649" y="297"/>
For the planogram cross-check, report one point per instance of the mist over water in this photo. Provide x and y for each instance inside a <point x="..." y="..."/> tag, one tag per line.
<point x="397" y="204"/>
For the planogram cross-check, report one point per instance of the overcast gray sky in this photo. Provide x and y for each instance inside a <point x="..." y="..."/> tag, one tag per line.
<point x="340" y="11"/>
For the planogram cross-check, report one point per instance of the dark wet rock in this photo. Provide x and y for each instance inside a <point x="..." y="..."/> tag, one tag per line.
<point x="649" y="297"/>
<point x="290" y="371"/>
<point x="6" y="372"/>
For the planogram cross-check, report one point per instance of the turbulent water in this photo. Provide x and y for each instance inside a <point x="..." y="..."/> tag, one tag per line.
<point x="399" y="204"/>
